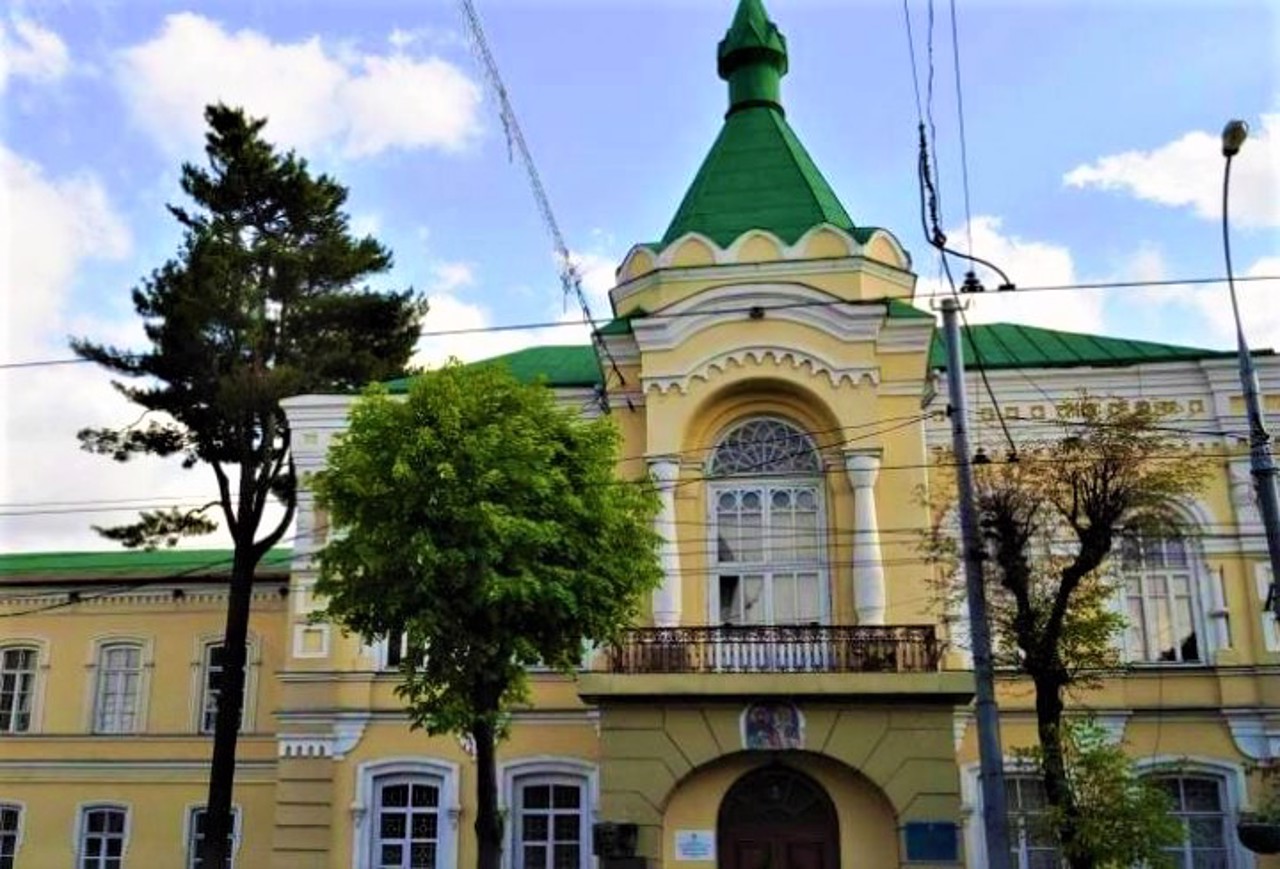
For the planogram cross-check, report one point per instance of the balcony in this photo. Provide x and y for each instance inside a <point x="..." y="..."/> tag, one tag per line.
<point x="776" y="649"/>
<point x="891" y="663"/>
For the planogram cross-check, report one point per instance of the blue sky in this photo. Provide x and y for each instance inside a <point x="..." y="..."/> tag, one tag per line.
<point x="1091" y="131"/>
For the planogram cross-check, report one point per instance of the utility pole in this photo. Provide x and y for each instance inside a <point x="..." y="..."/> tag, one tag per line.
<point x="1261" y="464"/>
<point x="995" y="816"/>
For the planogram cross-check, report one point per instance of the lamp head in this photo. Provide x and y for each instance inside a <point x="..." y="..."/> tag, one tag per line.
<point x="1233" y="136"/>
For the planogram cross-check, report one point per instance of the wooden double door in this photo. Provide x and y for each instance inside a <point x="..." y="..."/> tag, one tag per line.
<point x="777" y="817"/>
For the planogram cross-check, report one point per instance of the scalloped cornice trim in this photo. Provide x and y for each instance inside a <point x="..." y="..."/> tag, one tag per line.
<point x="665" y="257"/>
<point x="743" y="357"/>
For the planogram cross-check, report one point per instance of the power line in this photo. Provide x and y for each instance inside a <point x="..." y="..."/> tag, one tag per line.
<point x="746" y="311"/>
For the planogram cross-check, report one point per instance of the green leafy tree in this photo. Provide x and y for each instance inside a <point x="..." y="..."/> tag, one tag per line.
<point x="486" y="523"/>
<point x="263" y="300"/>
<point x="1124" y="820"/>
<point x="1050" y="522"/>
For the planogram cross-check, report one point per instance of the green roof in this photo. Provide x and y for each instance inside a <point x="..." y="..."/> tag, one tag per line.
<point x="128" y="564"/>
<point x="1008" y="345"/>
<point x="560" y="365"/>
<point x="757" y="174"/>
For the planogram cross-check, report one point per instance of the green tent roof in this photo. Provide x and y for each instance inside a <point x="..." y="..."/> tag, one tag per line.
<point x="1008" y="345"/>
<point x="117" y="564"/>
<point x="757" y="174"/>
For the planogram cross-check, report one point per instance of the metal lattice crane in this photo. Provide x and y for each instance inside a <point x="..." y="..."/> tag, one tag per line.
<point x="570" y="279"/>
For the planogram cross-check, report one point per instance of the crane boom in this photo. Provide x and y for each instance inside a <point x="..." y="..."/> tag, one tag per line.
<point x="570" y="279"/>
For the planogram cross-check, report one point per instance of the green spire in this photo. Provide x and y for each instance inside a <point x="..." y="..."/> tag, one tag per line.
<point x="758" y="175"/>
<point x="752" y="57"/>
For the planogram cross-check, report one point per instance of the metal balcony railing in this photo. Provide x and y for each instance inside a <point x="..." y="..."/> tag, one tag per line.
<point x="776" y="649"/>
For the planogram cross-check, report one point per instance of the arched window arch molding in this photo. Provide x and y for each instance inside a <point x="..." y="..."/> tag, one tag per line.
<point x="445" y="774"/>
<point x="44" y="652"/>
<point x="252" y="671"/>
<point x="512" y="772"/>
<point x="98" y="645"/>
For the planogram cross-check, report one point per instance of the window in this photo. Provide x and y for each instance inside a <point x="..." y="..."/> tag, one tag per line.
<point x="10" y="821"/>
<point x="118" y="692"/>
<point x="768" y="532"/>
<point x="1032" y="846"/>
<point x="1160" y="589"/>
<point x="1198" y="803"/>
<point x="549" y="823"/>
<point x="406" y="814"/>
<point x="103" y="830"/>
<point x="211" y="681"/>
<point x="406" y="822"/>
<point x="17" y="687"/>
<point x="195" y="836"/>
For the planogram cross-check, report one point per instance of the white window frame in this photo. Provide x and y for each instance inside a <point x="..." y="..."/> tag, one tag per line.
<point x="1270" y="625"/>
<point x="81" y="830"/>
<point x="443" y="774"/>
<point x="514" y="774"/>
<point x="822" y="567"/>
<point x="102" y="647"/>
<point x="971" y="807"/>
<point x="1198" y="585"/>
<point x="21" y="809"/>
<point x="189" y="829"/>
<point x="1234" y="790"/>
<point x="35" y="704"/>
<point x="199" y="681"/>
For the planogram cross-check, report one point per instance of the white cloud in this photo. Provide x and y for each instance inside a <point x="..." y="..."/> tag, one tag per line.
<point x="65" y="224"/>
<point x="312" y="93"/>
<point x="28" y="50"/>
<point x="1187" y="172"/>
<point x="1027" y="263"/>
<point x="449" y="313"/>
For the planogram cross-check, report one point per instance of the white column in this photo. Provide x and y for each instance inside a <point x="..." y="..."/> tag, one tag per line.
<point x="665" y="471"/>
<point x="868" y="566"/>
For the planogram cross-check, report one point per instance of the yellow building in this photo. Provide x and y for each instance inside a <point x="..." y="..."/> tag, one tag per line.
<point x="792" y="698"/>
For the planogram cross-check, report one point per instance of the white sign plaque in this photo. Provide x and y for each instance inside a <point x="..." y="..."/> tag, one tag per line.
<point x="695" y="845"/>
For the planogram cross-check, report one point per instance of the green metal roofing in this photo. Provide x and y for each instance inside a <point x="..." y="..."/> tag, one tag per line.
<point x="757" y="174"/>
<point x="128" y="564"/>
<point x="560" y="365"/>
<point x="1008" y="345"/>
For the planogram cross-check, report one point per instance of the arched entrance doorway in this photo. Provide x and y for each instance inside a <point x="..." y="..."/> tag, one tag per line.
<point x="776" y="817"/>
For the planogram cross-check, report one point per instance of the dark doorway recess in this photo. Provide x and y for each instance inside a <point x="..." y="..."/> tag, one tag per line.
<point x="776" y="817"/>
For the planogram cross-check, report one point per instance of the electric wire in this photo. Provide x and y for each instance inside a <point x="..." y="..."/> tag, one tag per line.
<point x="781" y="306"/>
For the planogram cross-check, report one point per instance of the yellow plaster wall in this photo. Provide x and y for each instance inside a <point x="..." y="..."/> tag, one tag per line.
<point x="868" y="829"/>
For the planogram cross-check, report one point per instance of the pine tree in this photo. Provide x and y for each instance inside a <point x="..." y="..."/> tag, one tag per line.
<point x="263" y="300"/>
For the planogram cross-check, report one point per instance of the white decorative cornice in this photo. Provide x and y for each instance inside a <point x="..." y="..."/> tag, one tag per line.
<point x="344" y="736"/>
<point x="742" y="357"/>
<point x="775" y="302"/>
<point x="1256" y="732"/>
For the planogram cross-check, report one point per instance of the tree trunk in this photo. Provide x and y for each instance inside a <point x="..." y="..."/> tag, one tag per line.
<point x="215" y="848"/>
<point x="1057" y="788"/>
<point x="488" y="821"/>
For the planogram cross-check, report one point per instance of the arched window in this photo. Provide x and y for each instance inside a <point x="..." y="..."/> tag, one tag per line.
<point x="406" y="812"/>
<point x="1199" y="802"/>
<point x="1161" y="590"/>
<point x="550" y="805"/>
<point x="765" y="446"/>
<point x="102" y="837"/>
<point x="767" y="514"/>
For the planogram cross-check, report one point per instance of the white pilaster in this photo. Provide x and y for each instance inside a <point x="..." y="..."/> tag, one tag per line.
<point x="868" y="565"/>
<point x="665" y="471"/>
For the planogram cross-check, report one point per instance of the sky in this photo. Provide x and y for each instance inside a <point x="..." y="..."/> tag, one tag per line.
<point x="1091" y="144"/>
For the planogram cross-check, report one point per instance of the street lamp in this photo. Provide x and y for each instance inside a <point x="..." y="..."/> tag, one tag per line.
<point x="1261" y="464"/>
